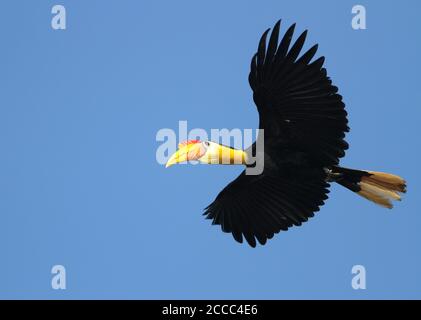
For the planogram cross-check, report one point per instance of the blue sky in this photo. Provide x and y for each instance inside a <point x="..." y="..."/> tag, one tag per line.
<point x="80" y="186"/>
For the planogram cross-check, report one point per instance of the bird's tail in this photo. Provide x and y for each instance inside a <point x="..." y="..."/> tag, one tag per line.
<point x="379" y="187"/>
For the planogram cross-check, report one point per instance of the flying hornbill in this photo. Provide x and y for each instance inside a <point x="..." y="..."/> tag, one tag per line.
<point x="304" y="122"/>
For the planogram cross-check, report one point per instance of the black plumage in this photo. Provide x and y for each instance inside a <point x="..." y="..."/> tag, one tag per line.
<point x="304" y="124"/>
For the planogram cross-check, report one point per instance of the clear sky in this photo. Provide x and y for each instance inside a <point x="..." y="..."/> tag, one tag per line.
<point x="80" y="185"/>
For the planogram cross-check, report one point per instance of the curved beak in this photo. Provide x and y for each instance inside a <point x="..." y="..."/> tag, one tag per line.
<point x="186" y="153"/>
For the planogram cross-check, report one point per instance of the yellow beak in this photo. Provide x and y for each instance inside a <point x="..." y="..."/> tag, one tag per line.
<point x="185" y="153"/>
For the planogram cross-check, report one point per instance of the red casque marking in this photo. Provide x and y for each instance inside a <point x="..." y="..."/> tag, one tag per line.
<point x="187" y="142"/>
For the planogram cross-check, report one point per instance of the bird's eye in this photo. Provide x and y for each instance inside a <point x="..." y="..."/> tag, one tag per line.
<point x="207" y="143"/>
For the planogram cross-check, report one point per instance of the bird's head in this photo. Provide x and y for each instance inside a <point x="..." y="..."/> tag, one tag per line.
<point x="206" y="152"/>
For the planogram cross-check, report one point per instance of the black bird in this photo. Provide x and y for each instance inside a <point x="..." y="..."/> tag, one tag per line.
<point x="304" y="122"/>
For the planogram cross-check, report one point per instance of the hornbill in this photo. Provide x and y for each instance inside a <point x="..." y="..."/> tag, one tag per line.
<point x="304" y="122"/>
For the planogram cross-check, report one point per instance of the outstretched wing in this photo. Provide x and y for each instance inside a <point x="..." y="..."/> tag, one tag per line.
<point x="257" y="207"/>
<point x="297" y="103"/>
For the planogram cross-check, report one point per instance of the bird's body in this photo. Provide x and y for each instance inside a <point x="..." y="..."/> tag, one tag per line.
<point x="304" y="122"/>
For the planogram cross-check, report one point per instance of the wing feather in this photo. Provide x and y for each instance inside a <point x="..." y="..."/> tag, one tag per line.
<point x="257" y="207"/>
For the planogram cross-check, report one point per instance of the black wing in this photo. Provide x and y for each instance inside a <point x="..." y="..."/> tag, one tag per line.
<point x="257" y="207"/>
<point x="304" y="124"/>
<point x="297" y="103"/>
